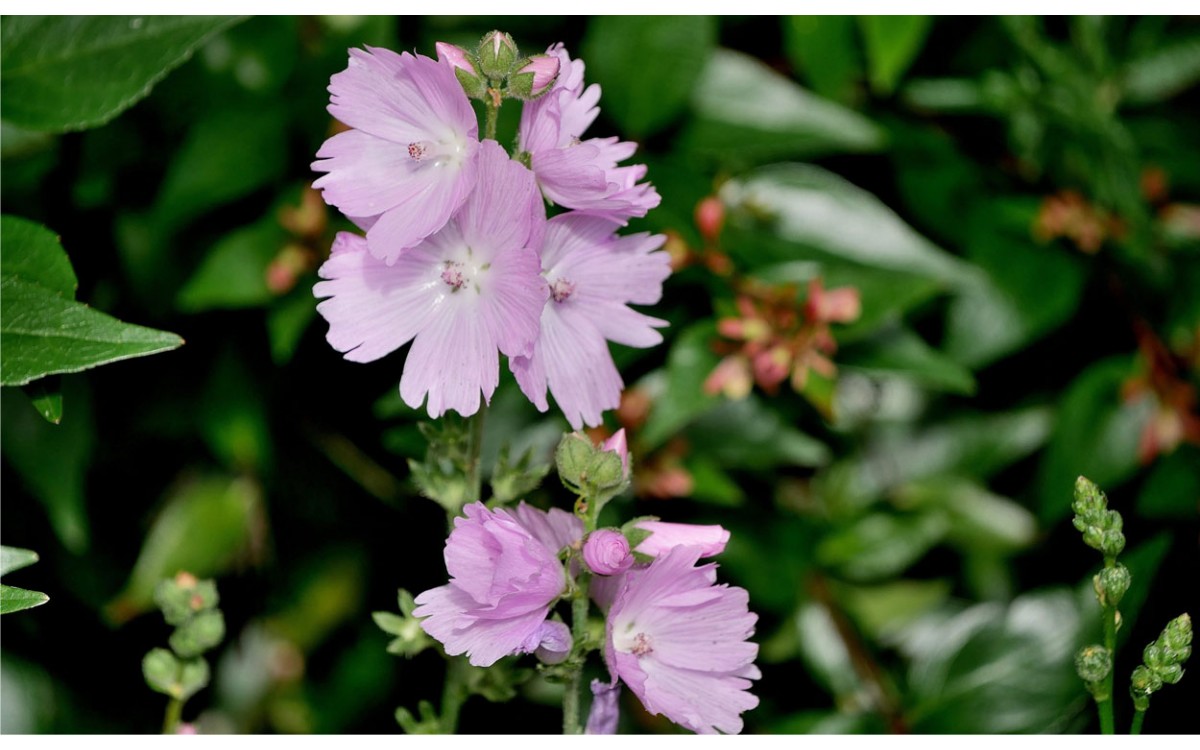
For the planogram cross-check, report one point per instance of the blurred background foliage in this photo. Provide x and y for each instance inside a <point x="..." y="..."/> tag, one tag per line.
<point x="1015" y="204"/>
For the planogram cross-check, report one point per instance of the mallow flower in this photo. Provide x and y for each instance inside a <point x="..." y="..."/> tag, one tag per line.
<point x="592" y="275"/>
<point x="462" y="295"/>
<point x="409" y="160"/>
<point x="502" y="585"/>
<point x="578" y="174"/>
<point x="679" y="642"/>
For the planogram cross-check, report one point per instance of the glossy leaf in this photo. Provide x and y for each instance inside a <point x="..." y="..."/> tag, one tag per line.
<point x="33" y="253"/>
<point x="73" y="72"/>
<point x="13" y="599"/>
<point x="15" y="558"/>
<point x="892" y="43"/>
<point x="647" y="66"/>
<point x="746" y="112"/>
<point x="821" y="213"/>
<point x="46" y="396"/>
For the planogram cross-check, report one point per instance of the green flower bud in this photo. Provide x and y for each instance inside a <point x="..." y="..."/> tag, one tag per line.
<point x="496" y="55"/>
<point x="1144" y="682"/>
<point x="1113" y="542"/>
<point x="1088" y="498"/>
<point x="199" y="634"/>
<point x="573" y="456"/>
<point x="1111" y="584"/>
<point x="1093" y="536"/>
<point x="1177" y="636"/>
<point x="1093" y="663"/>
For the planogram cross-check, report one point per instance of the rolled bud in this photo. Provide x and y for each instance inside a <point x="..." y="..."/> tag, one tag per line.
<point x="606" y="552"/>
<point x="666" y="536"/>
<point x="497" y="53"/>
<point x="466" y="70"/>
<point x="534" y="78"/>
<point x="1111" y="584"/>
<point x="618" y="444"/>
<point x="1093" y="663"/>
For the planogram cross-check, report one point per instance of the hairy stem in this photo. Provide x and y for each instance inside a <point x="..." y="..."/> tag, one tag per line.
<point x="454" y="693"/>
<point x="492" y="105"/>
<point x="172" y="717"/>
<point x="579" y="618"/>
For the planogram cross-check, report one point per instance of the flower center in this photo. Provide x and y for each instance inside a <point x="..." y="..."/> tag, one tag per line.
<point x="641" y="645"/>
<point x="561" y="290"/>
<point x="452" y="274"/>
<point x="437" y="153"/>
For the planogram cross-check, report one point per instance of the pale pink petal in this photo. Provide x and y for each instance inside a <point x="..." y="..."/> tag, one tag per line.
<point x="422" y="213"/>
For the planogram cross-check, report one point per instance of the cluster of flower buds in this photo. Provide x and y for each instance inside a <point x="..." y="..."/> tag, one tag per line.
<point x="777" y="341"/>
<point x="191" y="606"/>
<point x="1100" y="526"/>
<point x="496" y="65"/>
<point x="1163" y="661"/>
<point x="1094" y="664"/>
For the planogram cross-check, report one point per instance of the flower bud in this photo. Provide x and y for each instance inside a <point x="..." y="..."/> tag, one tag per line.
<point x="1111" y="584"/>
<point x="1093" y="663"/>
<point x="534" y="78"/>
<point x="710" y="217"/>
<point x="465" y="68"/>
<point x="1089" y="499"/>
<point x="617" y="444"/>
<point x="1112" y="543"/>
<point x="1177" y="636"/>
<point x="497" y="53"/>
<point x="606" y="552"/>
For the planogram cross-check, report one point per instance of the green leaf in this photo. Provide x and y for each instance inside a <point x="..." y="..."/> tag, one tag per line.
<point x="46" y="396"/>
<point x="15" y="558"/>
<point x="44" y="332"/>
<point x="234" y="272"/>
<point x="902" y="352"/>
<point x="205" y="523"/>
<point x="233" y="417"/>
<point x="823" y="49"/>
<point x="678" y="394"/>
<point x="824" y="216"/>
<point x="647" y="65"/>
<point x="711" y="484"/>
<point x="883" y="609"/>
<point x="13" y="599"/>
<point x="1029" y="289"/>
<point x="882" y="544"/>
<point x="1163" y="72"/>
<point x="749" y="434"/>
<point x="34" y="253"/>
<point x="64" y="73"/>
<point x="52" y="460"/>
<point x="287" y="320"/>
<point x="993" y="669"/>
<point x="1096" y="435"/>
<point x="746" y="112"/>
<point x="227" y="155"/>
<point x="980" y="521"/>
<point x="892" y="43"/>
<point x="1173" y="488"/>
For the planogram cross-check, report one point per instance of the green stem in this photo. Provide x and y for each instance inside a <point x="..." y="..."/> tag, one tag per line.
<point x="474" y="447"/>
<point x="454" y="694"/>
<point x="173" y="715"/>
<point x="1106" y="707"/>
<point x="579" y="618"/>
<point x="1138" y="718"/>
<point x="491" y="102"/>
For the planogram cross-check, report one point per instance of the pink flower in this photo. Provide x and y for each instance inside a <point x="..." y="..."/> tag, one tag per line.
<point x="503" y="582"/>
<point x="709" y="540"/>
<point x="460" y="295"/>
<point x="592" y="274"/>
<point x="551" y="643"/>
<point x="679" y="641"/>
<point x="606" y="552"/>
<point x="555" y="528"/>
<point x="582" y="175"/>
<point x="409" y="161"/>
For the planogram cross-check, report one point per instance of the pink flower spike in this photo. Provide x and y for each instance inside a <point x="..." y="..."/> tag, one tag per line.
<point x="709" y="540"/>
<point x="606" y="552"/>
<point x="409" y="161"/>
<point x="503" y="582"/>
<point x="456" y="56"/>
<point x="617" y="444"/>
<point x="680" y="642"/>
<point x="544" y="69"/>
<point x="462" y="296"/>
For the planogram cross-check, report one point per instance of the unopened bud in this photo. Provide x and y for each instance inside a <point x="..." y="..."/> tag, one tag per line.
<point x="466" y="70"/>
<point x="619" y="445"/>
<point x="1089" y="499"/>
<point x="534" y="78"/>
<point x="1093" y="663"/>
<point x="1112" y="543"/>
<point x="497" y="53"/>
<point x="710" y="217"/>
<point x="1111" y="584"/>
<point x="606" y="552"/>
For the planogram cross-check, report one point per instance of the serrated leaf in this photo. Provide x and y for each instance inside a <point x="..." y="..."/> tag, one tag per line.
<point x="644" y="98"/>
<point x="823" y="216"/>
<point x="64" y="73"/>
<point x="15" y="558"/>
<point x="892" y="43"/>
<point x="747" y="112"/>
<point x="13" y="599"/>
<point x="32" y="252"/>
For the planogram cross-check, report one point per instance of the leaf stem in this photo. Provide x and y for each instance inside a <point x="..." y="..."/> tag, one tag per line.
<point x="172" y="717"/>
